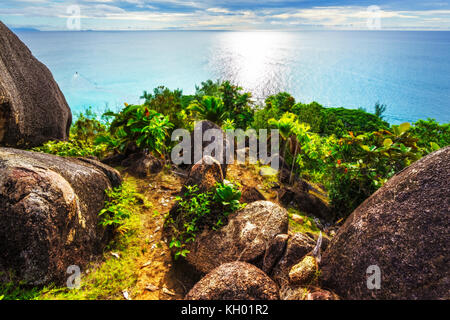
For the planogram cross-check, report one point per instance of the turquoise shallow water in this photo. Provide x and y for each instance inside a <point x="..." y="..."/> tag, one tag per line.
<point x="408" y="71"/>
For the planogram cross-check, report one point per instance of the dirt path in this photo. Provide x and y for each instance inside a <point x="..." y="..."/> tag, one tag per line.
<point x="156" y="280"/>
<point x="156" y="277"/>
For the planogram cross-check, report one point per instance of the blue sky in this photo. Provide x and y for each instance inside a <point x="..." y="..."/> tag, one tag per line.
<point x="229" y="14"/>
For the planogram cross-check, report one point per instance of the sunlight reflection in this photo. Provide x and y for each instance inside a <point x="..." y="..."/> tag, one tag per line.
<point x="255" y="60"/>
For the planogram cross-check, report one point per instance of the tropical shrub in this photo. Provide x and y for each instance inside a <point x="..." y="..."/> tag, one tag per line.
<point x="118" y="208"/>
<point x="86" y="128"/>
<point x="275" y="107"/>
<point x="431" y="135"/>
<point x="138" y="124"/>
<point x="358" y="165"/>
<point x="228" y="124"/>
<point x="310" y="152"/>
<point x="210" y="108"/>
<point x="338" y="121"/>
<point x="170" y="103"/>
<point x="263" y="115"/>
<point x="228" y="196"/>
<point x="312" y="114"/>
<point x="236" y="103"/>
<point x="197" y="210"/>
<point x="307" y="150"/>
<point x="285" y="126"/>
<point x="282" y="101"/>
<point x="207" y="88"/>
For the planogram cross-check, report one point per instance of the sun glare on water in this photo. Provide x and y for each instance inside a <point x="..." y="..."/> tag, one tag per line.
<point x="255" y="60"/>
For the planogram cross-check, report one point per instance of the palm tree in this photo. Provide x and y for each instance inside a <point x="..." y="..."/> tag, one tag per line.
<point x="284" y="126"/>
<point x="209" y="108"/>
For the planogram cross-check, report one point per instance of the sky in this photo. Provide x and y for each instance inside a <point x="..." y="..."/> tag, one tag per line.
<point x="49" y="15"/>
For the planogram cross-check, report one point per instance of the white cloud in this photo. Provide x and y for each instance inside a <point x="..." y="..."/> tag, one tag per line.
<point x="102" y="13"/>
<point x="218" y="10"/>
<point x="357" y="17"/>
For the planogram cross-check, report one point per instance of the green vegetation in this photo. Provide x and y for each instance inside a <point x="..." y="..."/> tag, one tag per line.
<point x="83" y="133"/>
<point x="87" y="127"/>
<point x="350" y="152"/>
<point x="237" y="105"/>
<point x="209" y="108"/>
<point x="119" y="208"/>
<point x="136" y="124"/>
<point x="359" y="165"/>
<point x="17" y="291"/>
<point x="308" y="225"/>
<point x="72" y="148"/>
<point x="431" y="135"/>
<point x="170" y="103"/>
<point x="197" y="210"/>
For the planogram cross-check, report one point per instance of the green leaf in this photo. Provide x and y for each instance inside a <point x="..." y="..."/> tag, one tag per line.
<point x="404" y="127"/>
<point x="387" y="143"/>
<point x="365" y="148"/>
<point x="434" y="146"/>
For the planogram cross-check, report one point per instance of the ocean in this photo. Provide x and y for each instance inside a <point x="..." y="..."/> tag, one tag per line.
<point x="407" y="71"/>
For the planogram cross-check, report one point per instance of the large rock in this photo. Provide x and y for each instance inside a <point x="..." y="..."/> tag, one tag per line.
<point x="298" y="246"/>
<point x="299" y="196"/>
<point x="201" y="127"/>
<point x="49" y="213"/>
<point x="274" y="251"/>
<point x="304" y="272"/>
<point x="234" y="281"/>
<point x="404" y="229"/>
<point x="246" y="237"/>
<point x="251" y="194"/>
<point x="32" y="108"/>
<point x="142" y="164"/>
<point x="205" y="174"/>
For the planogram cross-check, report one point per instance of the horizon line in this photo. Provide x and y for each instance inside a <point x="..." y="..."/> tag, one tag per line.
<point x="222" y="30"/>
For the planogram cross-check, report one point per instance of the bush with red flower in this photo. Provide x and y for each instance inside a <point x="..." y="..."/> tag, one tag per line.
<point x="358" y="165"/>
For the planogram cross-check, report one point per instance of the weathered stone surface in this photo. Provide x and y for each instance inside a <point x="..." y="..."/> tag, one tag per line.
<point x="234" y="281"/>
<point x="205" y="174"/>
<point x="251" y="194"/>
<point x="246" y="237"/>
<point x="112" y="174"/>
<point x="33" y="109"/>
<point x="293" y="292"/>
<point x="303" y="273"/>
<point x="142" y="165"/>
<point x="274" y="252"/>
<point x="404" y="229"/>
<point x="49" y="218"/>
<point x="299" y="196"/>
<point x="298" y="246"/>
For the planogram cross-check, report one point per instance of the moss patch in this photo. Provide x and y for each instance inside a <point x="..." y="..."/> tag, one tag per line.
<point x="308" y="224"/>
